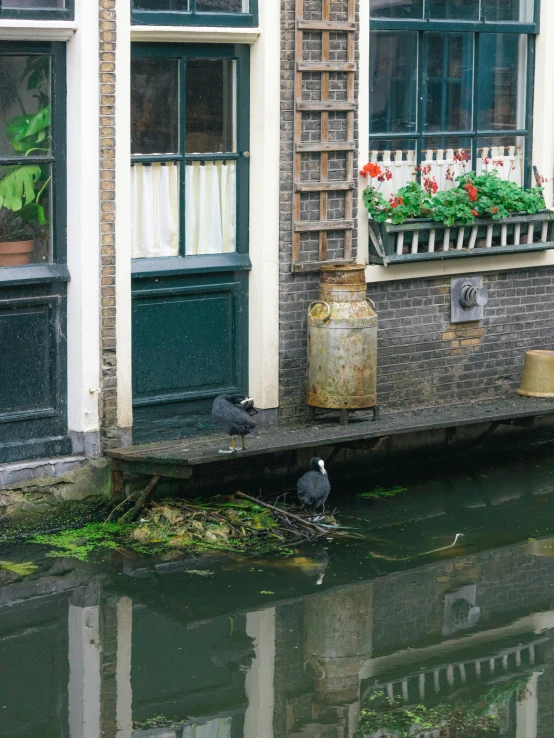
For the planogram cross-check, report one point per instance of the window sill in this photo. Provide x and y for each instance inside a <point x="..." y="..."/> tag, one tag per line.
<point x="163" y="267"/>
<point x="36" y="30"/>
<point x="33" y="274"/>
<point x="203" y="34"/>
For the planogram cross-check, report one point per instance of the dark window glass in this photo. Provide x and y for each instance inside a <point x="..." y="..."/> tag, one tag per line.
<point x="454" y="9"/>
<point x="503" y="63"/>
<point x="33" y="4"/>
<point x="25" y="186"/>
<point x="397" y="8"/>
<point x="182" y="5"/>
<point x="508" y="10"/>
<point x="393" y="82"/>
<point x="154" y="106"/>
<point x="222" y="6"/>
<point x="210" y="106"/>
<point x="448" y="67"/>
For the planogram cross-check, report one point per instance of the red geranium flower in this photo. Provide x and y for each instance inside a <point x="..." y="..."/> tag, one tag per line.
<point x="374" y="170"/>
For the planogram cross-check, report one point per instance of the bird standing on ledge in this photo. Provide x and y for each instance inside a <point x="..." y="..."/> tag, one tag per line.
<point x="314" y="486"/>
<point x="234" y="414"/>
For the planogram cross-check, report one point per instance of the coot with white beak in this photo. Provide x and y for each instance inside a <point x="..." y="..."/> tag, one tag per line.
<point x="234" y="414"/>
<point x="314" y="486"/>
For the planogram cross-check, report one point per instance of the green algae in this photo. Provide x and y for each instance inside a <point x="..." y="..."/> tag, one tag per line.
<point x="22" y="570"/>
<point x="380" y="493"/>
<point x="80" y="542"/>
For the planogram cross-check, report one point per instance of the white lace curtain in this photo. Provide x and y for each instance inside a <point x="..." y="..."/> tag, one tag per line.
<point x="507" y="160"/>
<point x="210" y="209"/>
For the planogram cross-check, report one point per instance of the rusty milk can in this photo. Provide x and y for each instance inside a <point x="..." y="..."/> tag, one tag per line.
<point x="342" y="342"/>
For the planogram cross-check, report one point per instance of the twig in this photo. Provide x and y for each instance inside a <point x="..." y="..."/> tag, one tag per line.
<point x="134" y="511"/>
<point x="117" y="506"/>
<point x="284" y="514"/>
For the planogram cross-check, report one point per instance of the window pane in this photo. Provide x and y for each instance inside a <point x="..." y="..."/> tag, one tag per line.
<point x="182" y="5"/>
<point x="34" y="4"/>
<point x="448" y="72"/>
<point x="210" y="106"/>
<point x="509" y="10"/>
<point x="154" y="106"/>
<point x="503" y="63"/>
<point x="222" y="6"/>
<point x="25" y="105"/>
<point x="154" y="210"/>
<point x="397" y="8"/>
<point x="25" y="218"/>
<point x="210" y="207"/>
<point x="393" y="82"/>
<point x="455" y="9"/>
<point x="505" y="154"/>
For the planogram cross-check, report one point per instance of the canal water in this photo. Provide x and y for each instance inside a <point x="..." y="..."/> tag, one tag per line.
<point x="438" y="621"/>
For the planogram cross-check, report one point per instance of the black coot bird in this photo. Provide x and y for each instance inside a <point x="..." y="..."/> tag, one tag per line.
<point x="314" y="486"/>
<point x="234" y="414"/>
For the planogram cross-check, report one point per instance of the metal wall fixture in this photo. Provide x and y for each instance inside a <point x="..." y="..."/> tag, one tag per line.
<point x="467" y="299"/>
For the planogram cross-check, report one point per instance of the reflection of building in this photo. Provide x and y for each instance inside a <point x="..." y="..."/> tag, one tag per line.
<point x="97" y="653"/>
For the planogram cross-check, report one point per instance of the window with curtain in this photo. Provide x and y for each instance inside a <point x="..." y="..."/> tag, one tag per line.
<point x="32" y="170"/>
<point x="451" y="88"/>
<point x="195" y="12"/>
<point x="184" y="155"/>
<point x="37" y="9"/>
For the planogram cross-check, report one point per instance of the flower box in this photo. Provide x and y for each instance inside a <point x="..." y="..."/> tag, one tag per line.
<point x="423" y="239"/>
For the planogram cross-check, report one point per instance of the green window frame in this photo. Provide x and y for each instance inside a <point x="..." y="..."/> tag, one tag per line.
<point x="193" y="17"/>
<point x="424" y="28"/>
<point x="239" y="259"/>
<point x="54" y="270"/>
<point x="67" y="13"/>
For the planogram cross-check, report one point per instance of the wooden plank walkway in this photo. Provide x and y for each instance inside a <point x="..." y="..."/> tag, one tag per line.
<point x="178" y="458"/>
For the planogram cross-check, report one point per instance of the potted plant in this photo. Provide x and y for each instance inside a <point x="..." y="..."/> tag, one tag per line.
<point x="479" y="215"/>
<point x="23" y="186"/>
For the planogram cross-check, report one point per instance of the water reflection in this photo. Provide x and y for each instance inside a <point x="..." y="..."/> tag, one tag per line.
<point x="420" y="640"/>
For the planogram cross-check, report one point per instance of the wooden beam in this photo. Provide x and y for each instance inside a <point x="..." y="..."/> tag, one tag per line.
<point x="326" y="225"/>
<point x="330" y="186"/>
<point x="326" y="25"/>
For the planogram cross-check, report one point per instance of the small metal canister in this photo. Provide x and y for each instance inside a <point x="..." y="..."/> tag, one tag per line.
<point x="342" y="341"/>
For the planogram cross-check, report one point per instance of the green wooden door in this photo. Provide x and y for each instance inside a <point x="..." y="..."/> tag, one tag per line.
<point x="190" y="118"/>
<point x="33" y="271"/>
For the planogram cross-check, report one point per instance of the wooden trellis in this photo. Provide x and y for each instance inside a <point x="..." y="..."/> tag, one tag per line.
<point x="326" y="67"/>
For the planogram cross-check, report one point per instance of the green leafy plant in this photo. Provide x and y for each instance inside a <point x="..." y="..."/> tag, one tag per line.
<point x="22" y="216"/>
<point x="472" y="196"/>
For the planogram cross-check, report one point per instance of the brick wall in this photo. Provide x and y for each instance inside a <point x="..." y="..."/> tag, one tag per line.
<point x="424" y="360"/>
<point x="108" y="397"/>
<point x="298" y="290"/>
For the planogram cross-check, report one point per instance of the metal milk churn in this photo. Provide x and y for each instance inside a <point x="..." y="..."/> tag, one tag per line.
<point x="342" y="342"/>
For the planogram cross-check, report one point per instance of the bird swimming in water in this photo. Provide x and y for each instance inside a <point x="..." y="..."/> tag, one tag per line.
<point x="234" y="414"/>
<point x="314" y="486"/>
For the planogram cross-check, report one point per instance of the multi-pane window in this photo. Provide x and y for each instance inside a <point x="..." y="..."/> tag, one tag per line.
<point x="186" y="162"/>
<point x="32" y="174"/>
<point x="450" y="87"/>
<point x="37" y="9"/>
<point x="195" y="12"/>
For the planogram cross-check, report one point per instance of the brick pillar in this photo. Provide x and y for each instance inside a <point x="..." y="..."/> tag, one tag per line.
<point x="108" y="398"/>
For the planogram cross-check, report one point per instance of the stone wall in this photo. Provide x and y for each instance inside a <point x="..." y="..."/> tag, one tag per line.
<point x="108" y="396"/>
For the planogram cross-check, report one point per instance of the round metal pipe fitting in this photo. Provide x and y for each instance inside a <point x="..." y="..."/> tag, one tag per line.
<point x="472" y="297"/>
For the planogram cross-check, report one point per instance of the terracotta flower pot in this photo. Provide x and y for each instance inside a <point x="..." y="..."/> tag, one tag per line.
<point x="15" y="253"/>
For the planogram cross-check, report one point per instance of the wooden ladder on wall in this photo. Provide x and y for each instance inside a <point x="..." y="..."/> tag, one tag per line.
<point x="326" y="67"/>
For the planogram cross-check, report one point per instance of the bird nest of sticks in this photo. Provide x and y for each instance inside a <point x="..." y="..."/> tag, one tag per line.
<point x="232" y="523"/>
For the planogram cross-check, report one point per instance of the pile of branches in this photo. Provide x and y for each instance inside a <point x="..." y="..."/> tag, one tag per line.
<point x="233" y="523"/>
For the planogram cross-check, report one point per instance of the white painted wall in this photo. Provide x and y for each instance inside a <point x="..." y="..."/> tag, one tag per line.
<point x="123" y="214"/>
<point x="83" y="221"/>
<point x="265" y="131"/>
